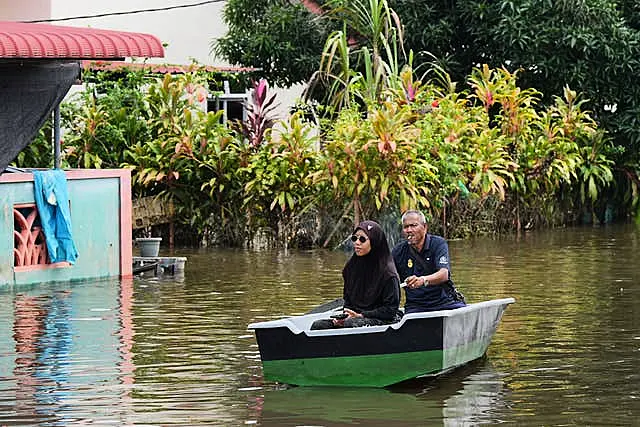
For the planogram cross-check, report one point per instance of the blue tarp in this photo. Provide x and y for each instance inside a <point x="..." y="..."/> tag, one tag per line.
<point x="52" y="201"/>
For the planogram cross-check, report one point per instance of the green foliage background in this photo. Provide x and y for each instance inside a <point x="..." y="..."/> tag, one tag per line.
<point x="480" y="149"/>
<point x="592" y="46"/>
<point x="471" y="167"/>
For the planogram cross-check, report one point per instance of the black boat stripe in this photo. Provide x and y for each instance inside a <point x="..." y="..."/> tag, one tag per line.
<point x="416" y="335"/>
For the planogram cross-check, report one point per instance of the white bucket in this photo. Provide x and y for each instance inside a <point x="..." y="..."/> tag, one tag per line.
<point x="149" y="246"/>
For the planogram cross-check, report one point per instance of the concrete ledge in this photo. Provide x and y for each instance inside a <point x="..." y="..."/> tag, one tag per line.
<point x="165" y="264"/>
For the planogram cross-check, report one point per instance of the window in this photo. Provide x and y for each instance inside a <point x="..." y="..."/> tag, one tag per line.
<point x="233" y="104"/>
<point x="30" y="246"/>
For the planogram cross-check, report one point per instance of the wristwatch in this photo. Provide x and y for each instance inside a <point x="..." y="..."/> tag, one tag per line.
<point x="425" y="281"/>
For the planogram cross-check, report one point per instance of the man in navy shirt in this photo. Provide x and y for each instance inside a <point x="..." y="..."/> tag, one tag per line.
<point x="422" y="262"/>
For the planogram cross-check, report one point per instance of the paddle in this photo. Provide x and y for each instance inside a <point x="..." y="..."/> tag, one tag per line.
<point x="327" y="306"/>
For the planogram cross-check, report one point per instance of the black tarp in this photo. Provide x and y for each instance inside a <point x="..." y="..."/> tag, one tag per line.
<point x="29" y="91"/>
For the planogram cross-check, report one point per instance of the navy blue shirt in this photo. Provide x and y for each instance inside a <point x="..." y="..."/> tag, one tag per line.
<point x="435" y="254"/>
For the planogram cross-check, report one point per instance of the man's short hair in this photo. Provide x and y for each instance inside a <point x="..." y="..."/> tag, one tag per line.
<point x="414" y="212"/>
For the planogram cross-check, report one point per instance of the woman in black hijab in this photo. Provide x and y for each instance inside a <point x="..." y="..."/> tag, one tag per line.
<point x="371" y="284"/>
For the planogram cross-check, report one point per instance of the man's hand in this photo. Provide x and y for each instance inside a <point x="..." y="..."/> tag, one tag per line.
<point x="415" y="281"/>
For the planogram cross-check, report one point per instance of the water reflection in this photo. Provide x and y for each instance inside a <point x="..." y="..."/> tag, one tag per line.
<point x="28" y="329"/>
<point x="43" y="337"/>
<point x="468" y="396"/>
<point x="67" y="353"/>
<point x="341" y="407"/>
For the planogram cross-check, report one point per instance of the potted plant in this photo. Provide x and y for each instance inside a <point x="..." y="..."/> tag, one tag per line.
<point x="149" y="246"/>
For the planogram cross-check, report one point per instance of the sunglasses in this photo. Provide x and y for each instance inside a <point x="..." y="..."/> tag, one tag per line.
<point x="355" y="238"/>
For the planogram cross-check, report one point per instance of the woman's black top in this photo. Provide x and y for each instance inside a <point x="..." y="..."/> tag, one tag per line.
<point x="384" y="307"/>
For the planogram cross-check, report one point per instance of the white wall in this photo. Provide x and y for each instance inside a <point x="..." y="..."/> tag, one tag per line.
<point x="24" y="10"/>
<point x="188" y="32"/>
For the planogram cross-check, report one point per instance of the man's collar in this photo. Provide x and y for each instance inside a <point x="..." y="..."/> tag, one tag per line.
<point x="427" y="242"/>
<point x="425" y="246"/>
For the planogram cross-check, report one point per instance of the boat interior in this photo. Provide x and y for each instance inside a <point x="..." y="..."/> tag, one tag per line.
<point x="299" y="324"/>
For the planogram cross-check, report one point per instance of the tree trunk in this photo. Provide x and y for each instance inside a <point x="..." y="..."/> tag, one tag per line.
<point x="444" y="219"/>
<point x="326" y="242"/>
<point x="357" y="210"/>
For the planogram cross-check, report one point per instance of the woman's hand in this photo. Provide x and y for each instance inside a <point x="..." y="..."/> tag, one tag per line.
<point x="352" y="313"/>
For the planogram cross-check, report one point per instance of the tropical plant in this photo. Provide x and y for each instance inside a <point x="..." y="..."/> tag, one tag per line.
<point x="373" y="161"/>
<point x="102" y="121"/>
<point x="335" y="67"/>
<point x="596" y="171"/>
<point x="38" y="154"/>
<point x="259" y="115"/>
<point x="592" y="45"/>
<point x="278" y="188"/>
<point x="480" y="157"/>
<point x="92" y="136"/>
<point x="220" y="209"/>
<point x="378" y="33"/>
<point x="185" y="153"/>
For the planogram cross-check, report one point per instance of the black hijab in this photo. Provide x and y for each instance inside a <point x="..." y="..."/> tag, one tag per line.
<point x="365" y="276"/>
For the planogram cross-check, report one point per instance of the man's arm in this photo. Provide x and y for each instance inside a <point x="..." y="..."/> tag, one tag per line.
<point x="436" y="278"/>
<point x="441" y="257"/>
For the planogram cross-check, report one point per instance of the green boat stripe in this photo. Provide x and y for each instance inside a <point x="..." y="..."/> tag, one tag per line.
<point x="373" y="370"/>
<point x="359" y="371"/>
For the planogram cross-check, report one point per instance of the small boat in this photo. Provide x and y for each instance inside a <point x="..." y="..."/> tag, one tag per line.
<point x="421" y="344"/>
<point x="145" y="267"/>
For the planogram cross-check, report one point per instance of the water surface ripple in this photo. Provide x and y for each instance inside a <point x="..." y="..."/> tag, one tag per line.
<point x="176" y="351"/>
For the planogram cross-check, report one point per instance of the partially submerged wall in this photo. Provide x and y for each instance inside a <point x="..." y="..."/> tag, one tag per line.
<point x="100" y="202"/>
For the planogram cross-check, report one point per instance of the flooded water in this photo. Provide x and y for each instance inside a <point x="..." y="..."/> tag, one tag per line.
<point x="176" y="351"/>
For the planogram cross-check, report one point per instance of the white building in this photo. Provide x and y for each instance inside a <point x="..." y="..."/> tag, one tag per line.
<point x="187" y="27"/>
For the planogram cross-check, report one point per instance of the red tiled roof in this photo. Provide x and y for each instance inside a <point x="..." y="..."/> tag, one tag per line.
<point x="161" y="68"/>
<point x="26" y="40"/>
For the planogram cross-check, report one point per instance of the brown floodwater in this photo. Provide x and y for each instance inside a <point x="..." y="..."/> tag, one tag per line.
<point x="176" y="351"/>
